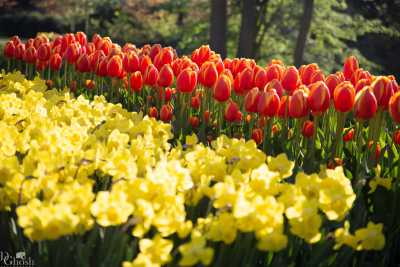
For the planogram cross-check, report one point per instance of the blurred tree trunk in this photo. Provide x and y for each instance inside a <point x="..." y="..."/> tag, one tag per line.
<point x="248" y="29"/>
<point x="305" y="24"/>
<point x="218" y="22"/>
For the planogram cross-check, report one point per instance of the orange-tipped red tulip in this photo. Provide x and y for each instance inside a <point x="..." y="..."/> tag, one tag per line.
<point x="318" y="98"/>
<point x="308" y="129"/>
<point x="349" y="67"/>
<point x="186" y="81"/>
<point x="382" y="91"/>
<point x="55" y="61"/>
<point x="165" y="76"/>
<point x="268" y="103"/>
<point x="166" y="113"/>
<point x="251" y="100"/>
<point x="136" y="81"/>
<point x="291" y="79"/>
<point x="394" y="107"/>
<point x="222" y="89"/>
<point x="298" y="106"/>
<point x="232" y="112"/>
<point x="208" y="74"/>
<point x="344" y="97"/>
<point x="130" y="62"/>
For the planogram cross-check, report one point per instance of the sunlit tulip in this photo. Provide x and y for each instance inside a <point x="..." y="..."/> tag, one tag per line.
<point x="81" y="38"/>
<point x="136" y="81"/>
<point x="360" y="74"/>
<point x="306" y="72"/>
<point x="114" y="67"/>
<point x="55" y="62"/>
<point x="298" y="106"/>
<point x="394" y="107"/>
<point x="349" y="67"/>
<point x="348" y="136"/>
<point x="361" y="84"/>
<point x="208" y="74"/>
<point x="268" y="103"/>
<point x="101" y="69"/>
<point x="44" y="52"/>
<point x="222" y="89"/>
<point x="83" y="64"/>
<point x="283" y="111"/>
<point x="166" y="113"/>
<point x="186" y="81"/>
<point x="344" y="97"/>
<point x="365" y="105"/>
<point x="274" y="71"/>
<point x="165" y="76"/>
<point x="332" y="80"/>
<point x="251" y="100"/>
<point x="145" y="61"/>
<point x="72" y="53"/>
<point x="165" y="56"/>
<point x="318" y="98"/>
<point x="243" y="82"/>
<point x="30" y="55"/>
<point x="291" y="79"/>
<point x="382" y="91"/>
<point x="377" y="153"/>
<point x="89" y="84"/>
<point x="154" y="51"/>
<point x="261" y="79"/>
<point x="274" y="84"/>
<point x="130" y="62"/>
<point x="151" y="75"/>
<point x="19" y="51"/>
<point x="153" y="113"/>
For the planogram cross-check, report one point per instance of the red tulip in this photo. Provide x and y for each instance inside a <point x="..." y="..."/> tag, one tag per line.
<point x="9" y="49"/>
<point x="274" y="84"/>
<point x="377" y="149"/>
<point x="101" y="69"/>
<point x="114" y="67"/>
<point x="251" y="100"/>
<point x="72" y="53"/>
<point x="298" y="105"/>
<point x="30" y="55"/>
<point x="232" y="112"/>
<point x="90" y="48"/>
<point x="332" y="81"/>
<point x="393" y="84"/>
<point x="268" y="103"/>
<point x="257" y="135"/>
<point x="344" y="97"/>
<point x="318" y="98"/>
<point x="151" y="75"/>
<point x="360" y="74"/>
<point x="261" y="79"/>
<point x="382" y="91"/>
<point x="365" y="105"/>
<point x="208" y="74"/>
<point x="165" y="93"/>
<point x="90" y="84"/>
<point x="361" y="84"/>
<point x="154" y="51"/>
<point x="274" y="71"/>
<point x="41" y="65"/>
<point x="165" y="56"/>
<point x="348" y="136"/>
<point x="19" y="51"/>
<point x="145" y="61"/>
<point x="317" y="76"/>
<point x="283" y="111"/>
<point x="349" y="67"/>
<point x="206" y="116"/>
<point x="81" y="38"/>
<point x="55" y="61"/>
<point x="291" y="79"/>
<point x="44" y="52"/>
<point x="186" y="81"/>
<point x="130" y="62"/>
<point x="306" y="72"/>
<point x="308" y="129"/>
<point x="396" y="137"/>
<point x="83" y="64"/>
<point x="195" y="102"/>
<point x="243" y="82"/>
<point x="166" y="76"/>
<point x="201" y="55"/>
<point x="136" y="81"/>
<point x="166" y="113"/>
<point x="194" y="121"/>
<point x="15" y="39"/>
<point x="95" y="59"/>
<point x="394" y="107"/>
<point x="222" y="89"/>
<point x="153" y="113"/>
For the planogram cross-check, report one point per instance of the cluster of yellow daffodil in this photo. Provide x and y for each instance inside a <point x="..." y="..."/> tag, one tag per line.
<point x="67" y="164"/>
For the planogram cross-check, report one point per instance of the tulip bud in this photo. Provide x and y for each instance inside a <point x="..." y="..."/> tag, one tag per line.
<point x="332" y="81"/>
<point x="19" y="51"/>
<point x="268" y="103"/>
<point x="130" y="62"/>
<point x="208" y="74"/>
<point x="298" y="105"/>
<point x="348" y="136"/>
<point x="195" y="102"/>
<point x="344" y="97"/>
<point x="166" y="76"/>
<point x="365" y="105"/>
<point x="102" y="67"/>
<point x="206" y="116"/>
<point x="291" y="79"/>
<point x="308" y="129"/>
<point x="232" y="112"/>
<point x="89" y="84"/>
<point x="72" y="53"/>
<point x="153" y="113"/>
<point x="165" y="56"/>
<point x="377" y="150"/>
<point x="251" y="100"/>
<point x="9" y="49"/>
<point x="283" y="111"/>
<point x="257" y="135"/>
<point x="382" y="91"/>
<point x="394" y="107"/>
<point x="360" y="74"/>
<point x="136" y="81"/>
<point x="145" y="62"/>
<point x="55" y="61"/>
<point x="165" y="93"/>
<point x="194" y="121"/>
<point x="393" y="84"/>
<point x="222" y="89"/>
<point x="349" y="67"/>
<point x="186" y="81"/>
<point x="318" y="99"/>
<point x="166" y="113"/>
<point x="396" y="137"/>
<point x="306" y="72"/>
<point x="81" y="38"/>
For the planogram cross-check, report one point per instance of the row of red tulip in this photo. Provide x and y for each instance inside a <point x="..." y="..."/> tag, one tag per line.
<point x="275" y="90"/>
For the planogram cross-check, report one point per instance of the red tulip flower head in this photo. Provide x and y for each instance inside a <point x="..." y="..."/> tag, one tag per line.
<point x="394" y="107"/>
<point x="382" y="91"/>
<point x="350" y="66"/>
<point x="55" y="61"/>
<point x="318" y="98"/>
<point x="166" y="113"/>
<point x="344" y="97"/>
<point x="251" y="100"/>
<point x="268" y="103"/>
<point x="298" y="105"/>
<point x="165" y="76"/>
<point x="83" y="64"/>
<point x="365" y="105"/>
<point x="261" y="79"/>
<point x="232" y="112"/>
<point x="9" y="49"/>
<point x="308" y="129"/>
<point x="222" y="89"/>
<point x="186" y="81"/>
<point x="151" y="75"/>
<point x="257" y="135"/>
<point x="291" y="79"/>
<point x="44" y="52"/>
<point x="30" y="55"/>
<point x="114" y="67"/>
<point x="136" y="81"/>
<point x="130" y="62"/>
<point x="208" y="74"/>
